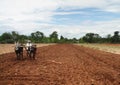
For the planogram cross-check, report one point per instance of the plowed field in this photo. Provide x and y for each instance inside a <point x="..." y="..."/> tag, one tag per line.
<point x="61" y="64"/>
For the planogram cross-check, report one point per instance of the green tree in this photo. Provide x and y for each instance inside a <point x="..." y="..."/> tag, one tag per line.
<point x="23" y="38"/>
<point x="54" y="37"/>
<point x="37" y="36"/>
<point x="0" y="39"/>
<point x="81" y="40"/>
<point x="108" y="38"/>
<point x="74" y="40"/>
<point x="116" y="37"/>
<point x="6" y="38"/>
<point x="62" y="39"/>
<point x="15" y="35"/>
<point x="46" y="40"/>
<point x="91" y="38"/>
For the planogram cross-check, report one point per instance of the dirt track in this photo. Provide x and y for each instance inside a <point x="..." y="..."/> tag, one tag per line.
<point x="62" y="64"/>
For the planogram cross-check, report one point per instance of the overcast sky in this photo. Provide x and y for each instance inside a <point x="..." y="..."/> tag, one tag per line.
<point x="70" y="18"/>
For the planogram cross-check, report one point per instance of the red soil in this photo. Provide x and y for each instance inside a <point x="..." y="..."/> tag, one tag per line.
<point x="62" y="64"/>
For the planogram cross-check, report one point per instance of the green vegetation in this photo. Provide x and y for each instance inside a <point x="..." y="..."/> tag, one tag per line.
<point x="39" y="37"/>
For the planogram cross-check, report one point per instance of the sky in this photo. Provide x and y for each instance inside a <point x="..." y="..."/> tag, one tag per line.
<point x="70" y="18"/>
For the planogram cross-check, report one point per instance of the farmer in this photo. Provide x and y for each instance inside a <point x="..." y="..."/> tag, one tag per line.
<point x="28" y="45"/>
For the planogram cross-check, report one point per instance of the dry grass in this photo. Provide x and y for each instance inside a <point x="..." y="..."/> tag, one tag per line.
<point x="113" y="48"/>
<point x="41" y="45"/>
<point x="7" y="48"/>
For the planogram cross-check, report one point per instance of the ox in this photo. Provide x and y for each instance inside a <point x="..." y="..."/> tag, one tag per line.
<point x="19" y="52"/>
<point x="31" y="51"/>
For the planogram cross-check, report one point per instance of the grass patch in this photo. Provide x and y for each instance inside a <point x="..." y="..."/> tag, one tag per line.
<point x="113" y="48"/>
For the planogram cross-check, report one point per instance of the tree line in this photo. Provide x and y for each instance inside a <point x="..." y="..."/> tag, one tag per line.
<point x="39" y="37"/>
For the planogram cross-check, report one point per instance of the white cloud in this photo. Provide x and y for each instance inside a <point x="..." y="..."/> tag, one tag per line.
<point x="22" y="15"/>
<point x="73" y="4"/>
<point x="103" y="5"/>
<point x="101" y="27"/>
<point x="16" y="9"/>
<point x="68" y="13"/>
<point x="113" y="9"/>
<point x="44" y="10"/>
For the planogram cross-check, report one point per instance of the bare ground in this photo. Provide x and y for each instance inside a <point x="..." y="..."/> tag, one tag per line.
<point x="62" y="64"/>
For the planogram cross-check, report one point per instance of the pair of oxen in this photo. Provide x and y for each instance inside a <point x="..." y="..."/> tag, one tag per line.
<point x="31" y="51"/>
